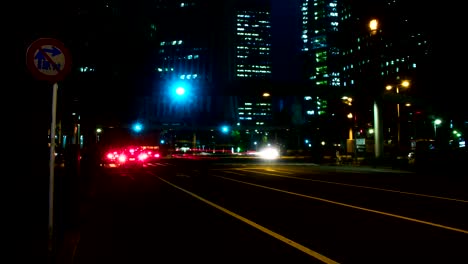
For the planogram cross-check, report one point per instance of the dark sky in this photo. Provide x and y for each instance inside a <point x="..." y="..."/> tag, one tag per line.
<point x="286" y="42"/>
<point x="445" y="23"/>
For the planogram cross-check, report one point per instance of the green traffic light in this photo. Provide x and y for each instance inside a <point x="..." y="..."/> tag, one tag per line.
<point x="180" y="91"/>
<point x="137" y="127"/>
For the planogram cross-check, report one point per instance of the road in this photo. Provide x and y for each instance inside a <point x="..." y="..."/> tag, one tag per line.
<point x="179" y="211"/>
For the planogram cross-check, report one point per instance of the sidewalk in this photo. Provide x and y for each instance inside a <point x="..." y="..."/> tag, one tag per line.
<point x="75" y="196"/>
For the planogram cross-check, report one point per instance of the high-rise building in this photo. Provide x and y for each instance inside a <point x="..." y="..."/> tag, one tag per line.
<point x="341" y="58"/>
<point x="251" y="58"/>
<point x="320" y="73"/>
<point x="252" y="43"/>
<point x="400" y="48"/>
<point x="217" y="65"/>
<point x="320" y="29"/>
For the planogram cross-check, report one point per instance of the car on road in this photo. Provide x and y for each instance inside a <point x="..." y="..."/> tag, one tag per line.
<point x="132" y="157"/>
<point x="152" y="155"/>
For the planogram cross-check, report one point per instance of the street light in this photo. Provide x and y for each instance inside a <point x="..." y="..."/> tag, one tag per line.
<point x="436" y="123"/>
<point x="347" y="100"/>
<point x="350" y="142"/>
<point x="378" y="125"/>
<point x="98" y="134"/>
<point x="373" y="26"/>
<point x="404" y="84"/>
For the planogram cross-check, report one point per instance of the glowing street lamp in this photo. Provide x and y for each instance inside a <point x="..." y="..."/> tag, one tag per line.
<point x="404" y="84"/>
<point x="373" y="26"/>
<point x="98" y="134"/>
<point x="436" y="123"/>
<point x="350" y="133"/>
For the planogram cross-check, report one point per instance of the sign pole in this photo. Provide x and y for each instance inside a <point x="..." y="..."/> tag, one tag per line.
<point x="49" y="60"/>
<point x="52" y="166"/>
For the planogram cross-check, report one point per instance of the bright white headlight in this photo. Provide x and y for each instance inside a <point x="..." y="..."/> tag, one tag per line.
<point x="269" y="153"/>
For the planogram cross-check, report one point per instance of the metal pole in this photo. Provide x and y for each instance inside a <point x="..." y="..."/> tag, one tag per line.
<point x="398" y="120"/>
<point x="378" y="133"/>
<point x="194" y="140"/>
<point x="52" y="166"/>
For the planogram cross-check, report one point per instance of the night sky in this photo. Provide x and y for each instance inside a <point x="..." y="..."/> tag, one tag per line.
<point x="445" y="25"/>
<point x="286" y="43"/>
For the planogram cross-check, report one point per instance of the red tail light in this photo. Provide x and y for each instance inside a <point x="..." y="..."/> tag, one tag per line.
<point x="142" y="156"/>
<point x="122" y="158"/>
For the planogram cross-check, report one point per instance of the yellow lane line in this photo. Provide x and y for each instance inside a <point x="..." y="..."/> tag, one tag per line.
<point x="286" y="240"/>
<point x="357" y="186"/>
<point x="351" y="206"/>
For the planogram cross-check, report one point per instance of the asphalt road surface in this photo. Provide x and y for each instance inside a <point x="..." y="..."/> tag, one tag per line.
<point x="184" y="211"/>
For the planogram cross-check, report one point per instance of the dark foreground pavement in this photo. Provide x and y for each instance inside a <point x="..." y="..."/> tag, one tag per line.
<point x="68" y="236"/>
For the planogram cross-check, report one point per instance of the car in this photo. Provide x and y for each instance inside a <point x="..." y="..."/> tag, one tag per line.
<point x="131" y="158"/>
<point x="110" y="158"/>
<point x="153" y="155"/>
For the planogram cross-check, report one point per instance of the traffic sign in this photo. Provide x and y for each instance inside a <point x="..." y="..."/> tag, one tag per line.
<point x="48" y="59"/>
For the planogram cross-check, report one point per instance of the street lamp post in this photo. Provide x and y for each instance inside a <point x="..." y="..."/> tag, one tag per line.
<point x="436" y="123"/>
<point x="404" y="84"/>
<point x="349" y="142"/>
<point x="98" y="134"/>
<point x="350" y="132"/>
<point x="378" y="125"/>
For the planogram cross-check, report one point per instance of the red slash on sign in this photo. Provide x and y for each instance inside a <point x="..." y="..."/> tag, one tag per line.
<point x="48" y="59"/>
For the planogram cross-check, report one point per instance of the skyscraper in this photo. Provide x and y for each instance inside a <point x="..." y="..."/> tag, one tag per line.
<point x="399" y="49"/>
<point x="252" y="62"/>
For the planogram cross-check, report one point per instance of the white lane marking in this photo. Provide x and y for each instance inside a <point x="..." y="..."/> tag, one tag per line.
<point x="351" y="206"/>
<point x="286" y="240"/>
<point x="358" y="186"/>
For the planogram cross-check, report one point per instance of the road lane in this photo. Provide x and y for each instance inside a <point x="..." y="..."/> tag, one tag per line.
<point x="137" y="218"/>
<point x="422" y="206"/>
<point x="281" y="238"/>
<point x="378" y="228"/>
